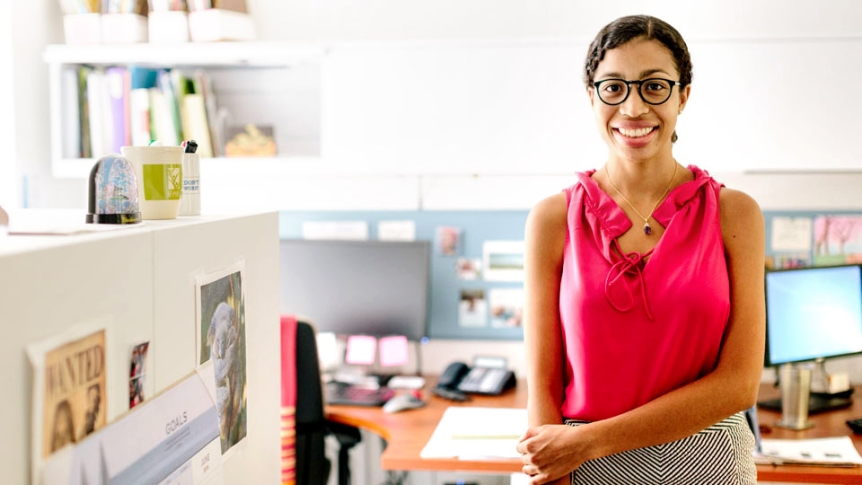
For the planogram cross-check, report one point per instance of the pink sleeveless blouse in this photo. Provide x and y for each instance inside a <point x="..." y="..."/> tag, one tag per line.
<point x="637" y="326"/>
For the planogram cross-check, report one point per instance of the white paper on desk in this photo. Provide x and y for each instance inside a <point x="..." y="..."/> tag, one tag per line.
<point x="837" y="451"/>
<point x="477" y="433"/>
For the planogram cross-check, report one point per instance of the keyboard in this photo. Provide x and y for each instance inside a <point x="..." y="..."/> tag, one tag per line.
<point x="340" y="393"/>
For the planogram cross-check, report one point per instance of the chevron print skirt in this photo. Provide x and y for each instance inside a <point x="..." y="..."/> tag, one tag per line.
<point x="720" y="454"/>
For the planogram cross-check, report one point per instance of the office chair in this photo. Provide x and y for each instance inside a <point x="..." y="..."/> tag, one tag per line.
<point x="312" y="465"/>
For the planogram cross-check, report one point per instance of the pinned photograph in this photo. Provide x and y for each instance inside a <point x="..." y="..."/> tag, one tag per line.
<point x="503" y="260"/>
<point x="468" y="268"/>
<point x="507" y="307"/>
<point x="448" y="241"/>
<point x="137" y="374"/>
<point x="837" y="239"/>
<point x="473" y="308"/>
<point x="221" y="338"/>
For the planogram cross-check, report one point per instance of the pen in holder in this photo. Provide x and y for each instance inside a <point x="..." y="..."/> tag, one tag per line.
<point x="795" y="391"/>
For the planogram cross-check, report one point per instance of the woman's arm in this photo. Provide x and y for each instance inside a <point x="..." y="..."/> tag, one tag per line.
<point x="730" y="388"/>
<point x="545" y="234"/>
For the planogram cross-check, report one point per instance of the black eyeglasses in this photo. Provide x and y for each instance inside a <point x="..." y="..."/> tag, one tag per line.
<point x="653" y="90"/>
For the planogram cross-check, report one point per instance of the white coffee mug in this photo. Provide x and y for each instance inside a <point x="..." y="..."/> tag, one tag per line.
<point x="159" y="170"/>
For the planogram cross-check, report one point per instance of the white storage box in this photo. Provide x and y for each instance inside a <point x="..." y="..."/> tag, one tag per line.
<point x="216" y="24"/>
<point x="123" y="28"/>
<point x="166" y="27"/>
<point x="84" y="28"/>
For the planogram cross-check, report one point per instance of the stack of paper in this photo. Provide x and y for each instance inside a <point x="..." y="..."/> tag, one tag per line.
<point x="477" y="433"/>
<point x="838" y="452"/>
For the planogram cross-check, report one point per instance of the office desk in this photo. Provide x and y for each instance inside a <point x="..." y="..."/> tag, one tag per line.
<point x="407" y="432"/>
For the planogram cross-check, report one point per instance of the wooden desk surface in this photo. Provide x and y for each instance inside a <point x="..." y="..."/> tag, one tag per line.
<point x="407" y="432"/>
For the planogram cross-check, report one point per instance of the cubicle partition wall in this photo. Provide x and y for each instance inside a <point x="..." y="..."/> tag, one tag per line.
<point x="141" y="281"/>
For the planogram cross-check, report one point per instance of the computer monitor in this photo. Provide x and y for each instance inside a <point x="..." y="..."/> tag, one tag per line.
<point x="813" y="313"/>
<point x="376" y="288"/>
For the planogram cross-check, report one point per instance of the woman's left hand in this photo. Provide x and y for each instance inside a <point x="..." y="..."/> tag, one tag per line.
<point x="550" y="452"/>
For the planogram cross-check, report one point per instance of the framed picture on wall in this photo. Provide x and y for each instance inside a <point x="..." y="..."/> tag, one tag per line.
<point x="503" y="260"/>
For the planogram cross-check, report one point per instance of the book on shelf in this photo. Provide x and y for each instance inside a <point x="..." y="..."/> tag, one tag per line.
<point x="84" y="111"/>
<point x="96" y="100"/>
<point x="70" y="116"/>
<point x="139" y="119"/>
<point x="204" y="88"/>
<point x="105" y="108"/>
<point x="117" y="84"/>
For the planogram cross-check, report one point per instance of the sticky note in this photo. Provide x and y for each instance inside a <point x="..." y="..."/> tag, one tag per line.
<point x="393" y="351"/>
<point x="361" y="350"/>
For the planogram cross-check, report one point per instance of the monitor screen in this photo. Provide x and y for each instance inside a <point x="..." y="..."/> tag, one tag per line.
<point x="375" y="288"/>
<point x="813" y="313"/>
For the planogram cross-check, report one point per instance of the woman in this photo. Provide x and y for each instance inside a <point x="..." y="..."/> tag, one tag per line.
<point x="644" y="281"/>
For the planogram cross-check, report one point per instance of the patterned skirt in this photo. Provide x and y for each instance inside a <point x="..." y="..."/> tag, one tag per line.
<point x="720" y="454"/>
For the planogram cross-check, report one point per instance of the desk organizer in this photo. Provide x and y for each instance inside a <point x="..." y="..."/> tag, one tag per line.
<point x="170" y="26"/>
<point x="84" y="28"/>
<point x="123" y="28"/>
<point x="215" y="24"/>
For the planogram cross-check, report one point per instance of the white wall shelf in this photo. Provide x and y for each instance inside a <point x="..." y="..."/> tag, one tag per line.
<point x="273" y="84"/>
<point x="229" y="54"/>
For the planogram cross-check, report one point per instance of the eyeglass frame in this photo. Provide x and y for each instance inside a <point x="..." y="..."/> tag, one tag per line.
<point x="628" y="84"/>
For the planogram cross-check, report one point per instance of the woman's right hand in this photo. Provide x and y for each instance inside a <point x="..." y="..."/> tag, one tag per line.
<point x="550" y="452"/>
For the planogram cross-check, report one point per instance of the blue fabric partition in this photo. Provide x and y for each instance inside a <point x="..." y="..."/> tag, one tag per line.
<point x="477" y="227"/>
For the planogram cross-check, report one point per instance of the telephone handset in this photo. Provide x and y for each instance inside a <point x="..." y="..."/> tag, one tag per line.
<point x="478" y="380"/>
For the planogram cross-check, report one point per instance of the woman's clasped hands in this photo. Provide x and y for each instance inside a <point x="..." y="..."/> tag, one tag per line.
<point x="549" y="453"/>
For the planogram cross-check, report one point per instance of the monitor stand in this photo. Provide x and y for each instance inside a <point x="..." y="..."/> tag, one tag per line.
<point x="818" y="402"/>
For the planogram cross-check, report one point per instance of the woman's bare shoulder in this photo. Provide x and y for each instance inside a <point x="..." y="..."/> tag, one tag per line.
<point x="550" y="211"/>
<point x="740" y="214"/>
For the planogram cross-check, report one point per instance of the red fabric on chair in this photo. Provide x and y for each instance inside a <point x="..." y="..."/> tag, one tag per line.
<point x="288" y="400"/>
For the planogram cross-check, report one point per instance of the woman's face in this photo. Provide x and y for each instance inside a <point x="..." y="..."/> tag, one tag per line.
<point x="635" y="130"/>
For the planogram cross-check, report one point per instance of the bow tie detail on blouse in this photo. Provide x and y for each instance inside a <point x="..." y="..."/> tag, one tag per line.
<point x="632" y="264"/>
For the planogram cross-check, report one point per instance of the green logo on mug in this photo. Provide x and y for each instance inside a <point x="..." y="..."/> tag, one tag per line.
<point x="163" y="182"/>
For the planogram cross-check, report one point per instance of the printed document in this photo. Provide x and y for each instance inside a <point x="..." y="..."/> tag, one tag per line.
<point x="473" y="433"/>
<point x="837" y="451"/>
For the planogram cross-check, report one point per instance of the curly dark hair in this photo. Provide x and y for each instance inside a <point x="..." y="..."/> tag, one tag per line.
<point x="626" y="29"/>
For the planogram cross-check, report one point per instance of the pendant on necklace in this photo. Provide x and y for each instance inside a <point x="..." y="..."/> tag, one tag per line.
<point x="647" y="229"/>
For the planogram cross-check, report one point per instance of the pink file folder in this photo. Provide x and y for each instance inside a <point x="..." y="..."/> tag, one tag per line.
<point x="393" y="350"/>
<point x="361" y="350"/>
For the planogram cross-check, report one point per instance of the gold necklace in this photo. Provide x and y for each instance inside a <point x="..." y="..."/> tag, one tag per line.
<point x="647" y="228"/>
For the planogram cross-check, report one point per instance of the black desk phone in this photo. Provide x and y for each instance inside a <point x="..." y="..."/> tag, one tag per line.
<point x="476" y="380"/>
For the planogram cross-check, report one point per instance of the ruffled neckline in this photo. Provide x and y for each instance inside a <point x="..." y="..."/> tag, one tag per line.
<point x="614" y="220"/>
